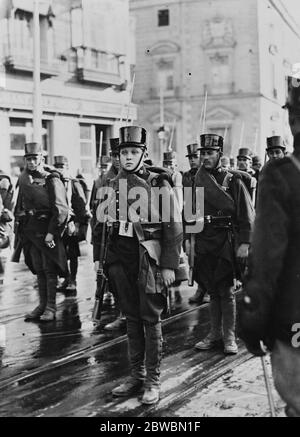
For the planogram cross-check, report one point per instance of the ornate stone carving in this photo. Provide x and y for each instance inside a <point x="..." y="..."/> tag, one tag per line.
<point x="218" y="32"/>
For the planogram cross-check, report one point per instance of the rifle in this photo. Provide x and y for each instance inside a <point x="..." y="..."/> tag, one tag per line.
<point x="102" y="281"/>
<point x="192" y="260"/>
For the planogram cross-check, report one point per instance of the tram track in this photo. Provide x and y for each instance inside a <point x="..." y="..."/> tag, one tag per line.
<point x="24" y="377"/>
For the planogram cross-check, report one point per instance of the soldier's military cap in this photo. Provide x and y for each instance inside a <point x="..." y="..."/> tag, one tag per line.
<point x="133" y="136"/>
<point x="169" y="156"/>
<point x="293" y="96"/>
<point x="60" y="161"/>
<point x="114" y="145"/>
<point x="104" y="161"/>
<point x="244" y="152"/>
<point x="33" y="149"/>
<point x="211" y="141"/>
<point x="275" y="142"/>
<point x="192" y="149"/>
<point x="256" y="160"/>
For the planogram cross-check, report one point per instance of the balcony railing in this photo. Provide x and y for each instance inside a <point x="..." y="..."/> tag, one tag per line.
<point x="99" y="67"/>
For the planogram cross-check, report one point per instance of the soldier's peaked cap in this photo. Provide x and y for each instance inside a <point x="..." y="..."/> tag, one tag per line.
<point x="244" y="152"/>
<point x="33" y="149"/>
<point x="211" y="141"/>
<point x="275" y="142"/>
<point x="134" y="136"/>
<point x="60" y="160"/>
<point x="114" y="145"/>
<point x="169" y="156"/>
<point x="192" y="149"/>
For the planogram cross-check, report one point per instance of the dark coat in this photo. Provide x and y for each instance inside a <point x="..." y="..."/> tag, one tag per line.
<point x="42" y="198"/>
<point x="188" y="178"/>
<point x="224" y="195"/>
<point x="274" y="278"/>
<point x="165" y="253"/>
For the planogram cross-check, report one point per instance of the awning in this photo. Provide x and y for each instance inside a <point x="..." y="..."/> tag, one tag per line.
<point x="28" y="6"/>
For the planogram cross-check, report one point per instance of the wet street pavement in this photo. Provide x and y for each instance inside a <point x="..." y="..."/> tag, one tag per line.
<point x="68" y="367"/>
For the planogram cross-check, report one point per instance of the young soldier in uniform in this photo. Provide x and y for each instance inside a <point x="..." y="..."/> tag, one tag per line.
<point x="271" y="310"/>
<point x="120" y="322"/>
<point x="226" y="202"/>
<point x="244" y="163"/>
<point x="188" y="179"/>
<point x="77" y="223"/>
<point x="141" y="260"/>
<point x="42" y="212"/>
<point x="275" y="148"/>
<point x="170" y="163"/>
<point x="256" y="166"/>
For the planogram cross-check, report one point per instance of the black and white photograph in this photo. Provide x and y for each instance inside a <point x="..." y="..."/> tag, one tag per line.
<point x="149" y="212"/>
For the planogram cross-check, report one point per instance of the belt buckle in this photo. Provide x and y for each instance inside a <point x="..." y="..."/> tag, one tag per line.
<point x="126" y="229"/>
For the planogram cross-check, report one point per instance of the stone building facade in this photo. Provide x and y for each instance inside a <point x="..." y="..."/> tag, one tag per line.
<point x="87" y="58"/>
<point x="236" y="51"/>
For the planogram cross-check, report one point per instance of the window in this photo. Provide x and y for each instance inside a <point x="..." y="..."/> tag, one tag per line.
<point x="87" y="147"/>
<point x="21" y="132"/>
<point x="163" y="17"/>
<point x="165" y="74"/>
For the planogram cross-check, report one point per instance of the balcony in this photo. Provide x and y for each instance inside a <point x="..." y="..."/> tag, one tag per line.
<point x="17" y="48"/>
<point x="23" y="62"/>
<point x="99" y="67"/>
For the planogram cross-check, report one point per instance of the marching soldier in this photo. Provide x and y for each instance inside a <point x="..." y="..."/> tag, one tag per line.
<point x="141" y="260"/>
<point x="275" y="148"/>
<point x="228" y="214"/>
<point x="6" y="215"/>
<point x="244" y="163"/>
<point x="104" y="179"/>
<point x="77" y="222"/>
<point x="170" y="163"/>
<point x="41" y="214"/>
<point x="271" y="310"/>
<point x="193" y="156"/>
<point x="188" y="179"/>
<point x="256" y="166"/>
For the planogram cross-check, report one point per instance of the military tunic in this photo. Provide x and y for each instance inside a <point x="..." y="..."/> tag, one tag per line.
<point x="224" y="195"/>
<point x="42" y="198"/>
<point x="273" y="313"/>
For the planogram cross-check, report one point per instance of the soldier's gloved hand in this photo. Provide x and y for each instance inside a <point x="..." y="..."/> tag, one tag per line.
<point x="96" y="266"/>
<point x="49" y="241"/>
<point x="242" y="253"/>
<point x="168" y="277"/>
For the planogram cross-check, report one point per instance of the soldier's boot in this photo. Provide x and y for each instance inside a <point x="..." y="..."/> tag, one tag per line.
<point x="136" y="349"/>
<point x="50" y="312"/>
<point x="198" y="296"/>
<point x="153" y="337"/>
<point x="118" y="324"/>
<point x="63" y="285"/>
<point x="229" y="321"/>
<point x="42" y="288"/>
<point x="215" y="334"/>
